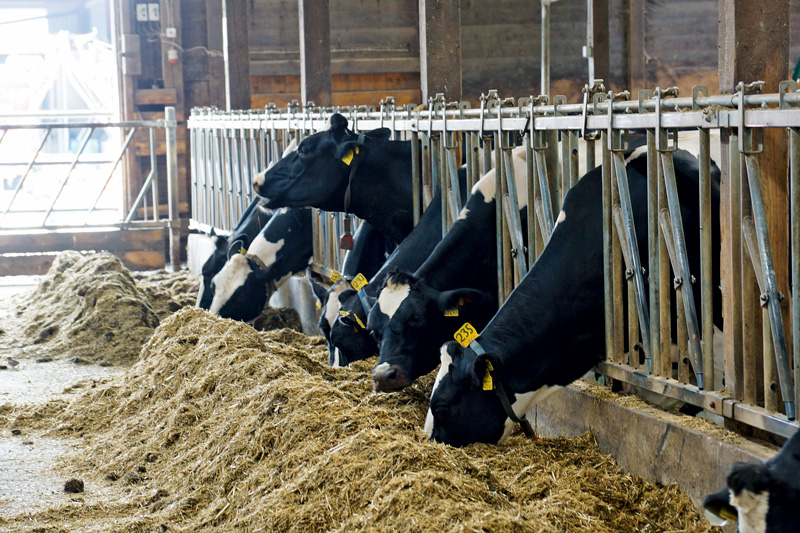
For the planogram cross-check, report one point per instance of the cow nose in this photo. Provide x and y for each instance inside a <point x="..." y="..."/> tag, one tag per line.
<point x="386" y="378"/>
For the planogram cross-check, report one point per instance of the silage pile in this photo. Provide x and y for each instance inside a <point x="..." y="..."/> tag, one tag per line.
<point x="218" y="426"/>
<point x="89" y="308"/>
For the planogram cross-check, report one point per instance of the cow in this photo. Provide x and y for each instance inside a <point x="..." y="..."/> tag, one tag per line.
<point x="550" y="331"/>
<point x="284" y="247"/>
<point x="760" y="497"/>
<point x="337" y="170"/>
<point x="345" y="316"/>
<point x="252" y="221"/>
<point x="416" y="313"/>
<point x="370" y="250"/>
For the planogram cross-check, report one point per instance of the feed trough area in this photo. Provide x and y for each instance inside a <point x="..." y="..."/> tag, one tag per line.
<point x="184" y="421"/>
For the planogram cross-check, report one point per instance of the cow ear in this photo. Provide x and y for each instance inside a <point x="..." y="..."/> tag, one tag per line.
<point x="350" y="152"/>
<point x="379" y="134"/>
<point x="318" y="289"/>
<point x="484" y="370"/>
<point x="236" y="247"/>
<point x="451" y="302"/>
<point x="717" y="508"/>
<point x="220" y="243"/>
<point x="337" y="123"/>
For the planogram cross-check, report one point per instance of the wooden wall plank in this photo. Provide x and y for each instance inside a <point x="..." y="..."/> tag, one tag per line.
<point x="120" y="240"/>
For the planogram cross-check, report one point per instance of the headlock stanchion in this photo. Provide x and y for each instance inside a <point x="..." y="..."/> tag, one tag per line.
<point x="761" y="380"/>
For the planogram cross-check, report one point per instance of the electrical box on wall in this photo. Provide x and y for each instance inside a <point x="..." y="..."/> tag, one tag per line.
<point x="153" y="12"/>
<point x="141" y="13"/>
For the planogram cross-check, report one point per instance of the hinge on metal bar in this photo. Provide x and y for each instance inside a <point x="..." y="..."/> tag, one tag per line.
<point x="666" y="141"/>
<point x="538" y="137"/>
<point x="751" y="140"/>
<point x="486" y="100"/>
<point x="786" y="87"/>
<point x="384" y="104"/>
<point x="588" y="94"/>
<point x="617" y="139"/>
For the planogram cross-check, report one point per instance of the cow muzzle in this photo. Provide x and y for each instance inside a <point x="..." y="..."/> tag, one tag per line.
<point x="387" y="378"/>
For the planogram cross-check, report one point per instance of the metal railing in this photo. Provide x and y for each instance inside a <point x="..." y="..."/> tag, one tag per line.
<point x="764" y="387"/>
<point x="67" y="188"/>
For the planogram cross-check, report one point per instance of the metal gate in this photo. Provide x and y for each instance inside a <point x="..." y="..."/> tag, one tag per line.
<point x="762" y="384"/>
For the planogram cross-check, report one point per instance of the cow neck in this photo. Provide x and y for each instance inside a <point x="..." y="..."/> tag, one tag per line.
<point x="497" y="386"/>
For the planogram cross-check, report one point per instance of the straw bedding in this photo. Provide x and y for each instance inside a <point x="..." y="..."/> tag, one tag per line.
<point x="220" y="427"/>
<point x="90" y="308"/>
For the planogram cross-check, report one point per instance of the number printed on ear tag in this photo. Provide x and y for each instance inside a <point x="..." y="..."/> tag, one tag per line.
<point x="451" y="312"/>
<point x="358" y="282"/>
<point x="466" y="334"/>
<point x="335" y="276"/>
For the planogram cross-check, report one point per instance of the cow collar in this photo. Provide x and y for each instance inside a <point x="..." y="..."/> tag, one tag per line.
<point x="353" y="169"/>
<point x="496" y="385"/>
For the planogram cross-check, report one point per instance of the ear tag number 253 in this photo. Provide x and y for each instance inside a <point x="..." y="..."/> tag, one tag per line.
<point x="466" y="334"/>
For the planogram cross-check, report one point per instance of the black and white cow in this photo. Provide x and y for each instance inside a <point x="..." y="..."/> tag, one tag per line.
<point x="416" y="313"/>
<point x="371" y="249"/>
<point x="344" y="316"/>
<point x="549" y="331"/>
<point x="284" y="247"/>
<point x="250" y="224"/>
<point x="337" y="170"/>
<point x="760" y="497"/>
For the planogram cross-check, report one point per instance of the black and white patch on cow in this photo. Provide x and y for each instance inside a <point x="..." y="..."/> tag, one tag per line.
<point x="244" y="285"/>
<point x="550" y="330"/>
<point x="760" y="497"/>
<point x="211" y="267"/>
<point x="416" y="313"/>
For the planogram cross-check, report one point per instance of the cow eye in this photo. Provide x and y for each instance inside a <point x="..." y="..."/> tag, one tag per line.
<point x="416" y="319"/>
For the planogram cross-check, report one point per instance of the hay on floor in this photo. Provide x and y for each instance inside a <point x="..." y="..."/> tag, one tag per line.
<point x="221" y="427"/>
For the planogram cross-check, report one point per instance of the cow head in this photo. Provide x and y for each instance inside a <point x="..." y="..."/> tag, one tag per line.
<point x="242" y="288"/>
<point x="342" y="323"/>
<point x="211" y="267"/>
<point x="461" y="411"/>
<point x="317" y="173"/>
<point x="408" y="318"/>
<point x="760" y="497"/>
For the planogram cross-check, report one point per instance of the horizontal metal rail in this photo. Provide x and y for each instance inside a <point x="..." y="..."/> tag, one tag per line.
<point x="229" y="148"/>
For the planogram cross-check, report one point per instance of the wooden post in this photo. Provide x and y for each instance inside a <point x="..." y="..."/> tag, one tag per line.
<point x="236" y="51"/>
<point x="636" y="68"/>
<point x="216" y="64"/>
<point x="440" y="48"/>
<point x="753" y="45"/>
<point x="315" y="52"/>
<point x="601" y="41"/>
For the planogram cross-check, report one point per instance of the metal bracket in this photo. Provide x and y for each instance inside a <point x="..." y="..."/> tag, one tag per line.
<point x="486" y="100"/>
<point x="697" y="91"/>
<point x="589" y="92"/>
<point x="665" y="142"/>
<point x="786" y="87"/>
<point x="751" y="140"/>
<point x="538" y="137"/>
<point x="617" y="139"/>
<point x="384" y="105"/>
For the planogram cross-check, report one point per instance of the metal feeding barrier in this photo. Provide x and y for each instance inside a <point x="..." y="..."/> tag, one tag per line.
<point x="755" y="385"/>
<point x="74" y="184"/>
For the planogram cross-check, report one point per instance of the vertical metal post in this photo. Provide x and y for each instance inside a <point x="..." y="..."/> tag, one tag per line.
<point x="545" y="78"/>
<point x="794" y="191"/>
<point x="416" y="183"/>
<point x="707" y="288"/>
<point x="154" y="166"/>
<point x="608" y="267"/>
<point x="653" y="249"/>
<point x="171" y="125"/>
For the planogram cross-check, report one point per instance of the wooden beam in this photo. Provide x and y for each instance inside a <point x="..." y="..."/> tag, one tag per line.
<point x="315" y="51"/>
<point x="753" y="42"/>
<point x="112" y="241"/>
<point x="440" y="48"/>
<point x="636" y="69"/>
<point x="236" y="51"/>
<point x="601" y="41"/>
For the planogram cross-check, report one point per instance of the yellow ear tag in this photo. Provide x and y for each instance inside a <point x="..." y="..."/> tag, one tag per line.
<point x="358" y="282"/>
<point x="488" y="384"/>
<point x="243" y="251"/>
<point x="466" y="334"/>
<point x="358" y="320"/>
<point x="335" y="276"/>
<point x="451" y="312"/>
<point x="319" y="305"/>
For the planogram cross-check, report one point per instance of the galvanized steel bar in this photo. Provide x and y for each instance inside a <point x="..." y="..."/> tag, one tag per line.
<point x="171" y="124"/>
<point x="608" y="258"/>
<point x="416" y="182"/>
<point x="684" y="280"/>
<point x="69" y="173"/>
<point x="706" y="274"/>
<point x="771" y="295"/>
<point x="154" y="187"/>
<point x="110" y="174"/>
<point x="794" y="224"/>
<point x="633" y="252"/>
<point x="25" y="175"/>
<point x="513" y="216"/>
